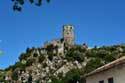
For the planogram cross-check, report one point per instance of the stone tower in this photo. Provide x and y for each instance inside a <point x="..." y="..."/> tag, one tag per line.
<point x="68" y="34"/>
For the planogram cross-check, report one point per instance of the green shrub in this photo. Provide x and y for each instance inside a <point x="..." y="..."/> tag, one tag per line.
<point x="18" y="65"/>
<point x="29" y="62"/>
<point x="41" y="58"/>
<point x="93" y="64"/>
<point x="72" y="76"/>
<point x="15" y="75"/>
<point x="74" y="55"/>
<point x="24" y="56"/>
<point x="30" y="79"/>
<point x="109" y="58"/>
<point x="50" y="57"/>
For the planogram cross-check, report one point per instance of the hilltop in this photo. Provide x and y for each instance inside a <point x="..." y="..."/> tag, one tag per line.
<point x="60" y="61"/>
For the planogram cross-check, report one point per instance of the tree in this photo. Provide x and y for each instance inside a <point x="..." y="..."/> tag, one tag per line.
<point x="93" y="64"/>
<point x="22" y="56"/>
<point x="75" y="54"/>
<point x="28" y="50"/>
<point x="109" y="58"/>
<point x="73" y="76"/>
<point x="17" y="6"/>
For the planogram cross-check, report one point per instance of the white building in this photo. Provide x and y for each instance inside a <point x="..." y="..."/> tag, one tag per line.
<point x="113" y="72"/>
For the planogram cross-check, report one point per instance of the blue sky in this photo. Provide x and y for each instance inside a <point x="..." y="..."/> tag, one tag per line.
<point x="96" y="22"/>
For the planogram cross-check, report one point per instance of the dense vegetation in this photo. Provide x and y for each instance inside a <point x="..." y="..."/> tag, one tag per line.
<point x="98" y="56"/>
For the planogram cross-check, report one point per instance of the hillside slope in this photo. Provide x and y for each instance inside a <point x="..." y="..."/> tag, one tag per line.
<point x="50" y="65"/>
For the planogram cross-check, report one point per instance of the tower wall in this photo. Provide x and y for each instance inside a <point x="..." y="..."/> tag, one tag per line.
<point x="68" y="34"/>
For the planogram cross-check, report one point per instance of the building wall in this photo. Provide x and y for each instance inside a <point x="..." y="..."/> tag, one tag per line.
<point x="118" y="74"/>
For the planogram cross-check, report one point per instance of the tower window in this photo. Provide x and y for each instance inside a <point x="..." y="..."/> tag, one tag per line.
<point x="110" y="80"/>
<point x="68" y="33"/>
<point x="70" y="27"/>
<point x="102" y="81"/>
